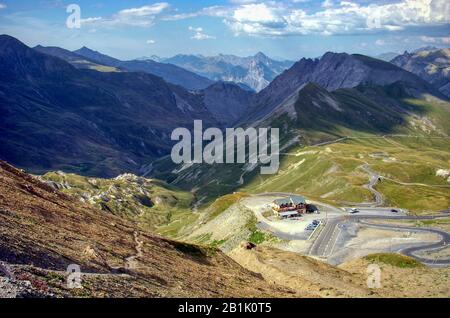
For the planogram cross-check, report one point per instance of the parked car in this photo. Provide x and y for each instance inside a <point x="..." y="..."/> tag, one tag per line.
<point x="354" y="210"/>
<point x="312" y="226"/>
<point x="394" y="211"/>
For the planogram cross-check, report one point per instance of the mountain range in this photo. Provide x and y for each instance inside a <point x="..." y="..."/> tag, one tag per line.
<point x="109" y="198"/>
<point x="321" y="100"/>
<point x="87" y="58"/>
<point x="65" y="111"/>
<point x="331" y="72"/>
<point x="56" y="116"/>
<point x="431" y="64"/>
<point x="254" y="71"/>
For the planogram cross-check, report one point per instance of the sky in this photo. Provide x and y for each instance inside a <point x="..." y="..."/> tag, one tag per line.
<point x="289" y="29"/>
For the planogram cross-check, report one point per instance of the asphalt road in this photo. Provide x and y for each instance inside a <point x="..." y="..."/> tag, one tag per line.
<point x="325" y="242"/>
<point x="445" y="240"/>
<point x="374" y="177"/>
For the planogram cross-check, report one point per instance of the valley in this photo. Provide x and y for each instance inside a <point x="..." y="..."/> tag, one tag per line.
<point x="88" y="178"/>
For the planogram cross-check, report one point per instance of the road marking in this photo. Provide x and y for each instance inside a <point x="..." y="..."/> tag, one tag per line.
<point x="317" y="227"/>
<point x="335" y="241"/>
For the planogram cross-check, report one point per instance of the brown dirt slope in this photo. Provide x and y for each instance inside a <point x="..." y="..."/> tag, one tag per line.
<point x="306" y="276"/>
<point x="42" y="231"/>
<point x="416" y="282"/>
<point x="312" y="278"/>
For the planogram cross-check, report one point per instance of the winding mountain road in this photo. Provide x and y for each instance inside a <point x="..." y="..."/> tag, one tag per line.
<point x="410" y="251"/>
<point x="325" y="242"/>
<point x="323" y="245"/>
<point x="374" y="178"/>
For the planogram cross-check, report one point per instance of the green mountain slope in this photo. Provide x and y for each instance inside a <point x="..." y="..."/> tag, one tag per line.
<point x="151" y="203"/>
<point x="416" y="146"/>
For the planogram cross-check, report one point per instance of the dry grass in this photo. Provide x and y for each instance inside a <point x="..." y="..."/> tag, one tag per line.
<point x="50" y="230"/>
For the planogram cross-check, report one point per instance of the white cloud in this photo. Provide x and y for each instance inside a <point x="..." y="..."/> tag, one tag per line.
<point x="145" y="10"/>
<point x="428" y="39"/>
<point x="2" y="6"/>
<point x="380" y="42"/>
<point x="199" y="34"/>
<point x="213" y="11"/>
<point x="91" y="20"/>
<point x="151" y="42"/>
<point x="140" y="17"/>
<point x="435" y="40"/>
<point x="327" y="4"/>
<point x="275" y="18"/>
<point x="195" y="29"/>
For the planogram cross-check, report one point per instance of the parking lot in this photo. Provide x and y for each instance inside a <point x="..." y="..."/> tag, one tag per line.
<point x="288" y="229"/>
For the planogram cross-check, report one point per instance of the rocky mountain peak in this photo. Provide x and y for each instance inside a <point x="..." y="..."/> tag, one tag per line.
<point x="261" y="57"/>
<point x="331" y="72"/>
<point x="430" y="64"/>
<point x="255" y="71"/>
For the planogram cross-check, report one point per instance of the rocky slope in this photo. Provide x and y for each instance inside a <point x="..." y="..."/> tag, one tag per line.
<point x="43" y="231"/>
<point x="149" y="202"/>
<point x="58" y="117"/>
<point x="433" y="65"/>
<point x="254" y="71"/>
<point x="169" y="72"/>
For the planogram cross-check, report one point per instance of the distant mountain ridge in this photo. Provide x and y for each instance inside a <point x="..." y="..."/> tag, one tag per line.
<point x="169" y="72"/>
<point x="331" y="72"/>
<point x="387" y="57"/>
<point x="58" y="117"/>
<point x="254" y="71"/>
<point x="87" y="58"/>
<point x="431" y="64"/>
<point x="75" y="59"/>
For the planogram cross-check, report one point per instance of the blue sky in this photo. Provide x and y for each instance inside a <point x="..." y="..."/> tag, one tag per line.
<point x="288" y="29"/>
